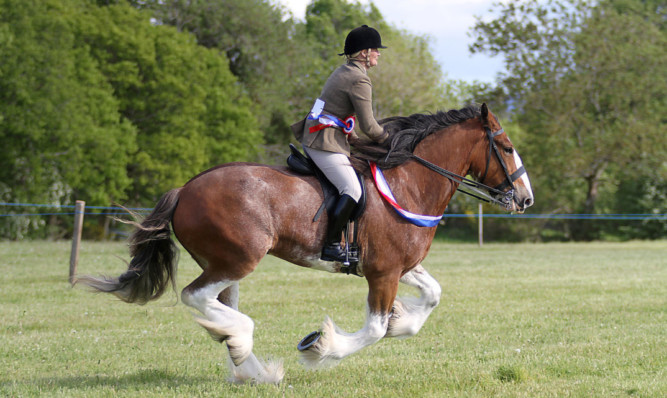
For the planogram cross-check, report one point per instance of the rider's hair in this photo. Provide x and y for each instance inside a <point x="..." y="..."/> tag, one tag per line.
<point x="355" y="57"/>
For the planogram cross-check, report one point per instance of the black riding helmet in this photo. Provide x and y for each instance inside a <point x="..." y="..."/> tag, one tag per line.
<point x="362" y="38"/>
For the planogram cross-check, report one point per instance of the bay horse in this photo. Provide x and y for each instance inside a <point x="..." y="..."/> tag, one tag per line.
<point x="229" y="217"/>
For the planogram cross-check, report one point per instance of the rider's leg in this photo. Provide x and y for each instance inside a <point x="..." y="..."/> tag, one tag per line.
<point x="338" y="170"/>
<point x="332" y="251"/>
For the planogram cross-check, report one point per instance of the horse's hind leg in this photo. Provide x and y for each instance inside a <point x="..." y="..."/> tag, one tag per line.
<point x="410" y="313"/>
<point x="252" y="368"/>
<point x="218" y="302"/>
<point x="224" y="323"/>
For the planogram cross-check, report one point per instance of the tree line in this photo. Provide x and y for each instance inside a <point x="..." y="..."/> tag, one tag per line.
<point x="586" y="84"/>
<point x="118" y="101"/>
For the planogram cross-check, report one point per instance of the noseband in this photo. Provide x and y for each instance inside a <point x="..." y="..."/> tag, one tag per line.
<point x="481" y="191"/>
<point x="509" y="181"/>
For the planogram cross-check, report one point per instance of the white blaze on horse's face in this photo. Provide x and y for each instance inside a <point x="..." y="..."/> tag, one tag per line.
<point x="527" y="198"/>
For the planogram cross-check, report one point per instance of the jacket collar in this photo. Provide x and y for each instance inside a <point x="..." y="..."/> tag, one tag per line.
<point x="359" y="65"/>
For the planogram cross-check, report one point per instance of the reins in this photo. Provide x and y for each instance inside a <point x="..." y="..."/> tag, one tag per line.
<point x="472" y="185"/>
<point x="481" y="191"/>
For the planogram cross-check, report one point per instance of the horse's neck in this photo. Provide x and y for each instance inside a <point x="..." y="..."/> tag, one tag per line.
<point x="450" y="148"/>
<point x="423" y="188"/>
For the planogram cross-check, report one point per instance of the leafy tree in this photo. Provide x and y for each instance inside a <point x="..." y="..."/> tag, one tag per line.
<point x="59" y="124"/>
<point x="646" y="194"/>
<point x="180" y="96"/>
<point x="409" y="79"/>
<point x="587" y="83"/>
<point x="98" y="103"/>
<point x="283" y="64"/>
<point x="256" y="41"/>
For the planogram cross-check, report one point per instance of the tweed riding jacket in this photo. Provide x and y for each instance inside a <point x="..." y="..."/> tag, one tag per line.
<point x="347" y="92"/>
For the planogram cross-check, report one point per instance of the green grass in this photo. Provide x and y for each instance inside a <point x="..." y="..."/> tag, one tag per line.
<point x="515" y="320"/>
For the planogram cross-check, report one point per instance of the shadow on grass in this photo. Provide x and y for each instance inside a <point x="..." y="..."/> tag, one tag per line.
<point x="139" y="380"/>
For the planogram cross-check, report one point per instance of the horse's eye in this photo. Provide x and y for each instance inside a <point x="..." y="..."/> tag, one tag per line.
<point x="509" y="150"/>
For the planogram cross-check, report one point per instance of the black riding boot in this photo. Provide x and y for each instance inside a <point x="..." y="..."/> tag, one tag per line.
<point x="332" y="250"/>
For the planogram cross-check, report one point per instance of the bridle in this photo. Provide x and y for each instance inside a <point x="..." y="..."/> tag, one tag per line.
<point x="480" y="191"/>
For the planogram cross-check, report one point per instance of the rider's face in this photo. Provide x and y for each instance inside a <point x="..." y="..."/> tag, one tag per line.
<point x="373" y="59"/>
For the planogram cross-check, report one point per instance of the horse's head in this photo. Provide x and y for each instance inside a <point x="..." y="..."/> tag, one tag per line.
<point x="438" y="141"/>
<point x="497" y="164"/>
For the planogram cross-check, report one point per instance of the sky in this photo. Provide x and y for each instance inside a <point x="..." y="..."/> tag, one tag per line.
<point x="446" y="22"/>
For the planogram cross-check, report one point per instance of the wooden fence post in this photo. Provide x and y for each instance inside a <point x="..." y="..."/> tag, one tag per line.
<point x="76" y="239"/>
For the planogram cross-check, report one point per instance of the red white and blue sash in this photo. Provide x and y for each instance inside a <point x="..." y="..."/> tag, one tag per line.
<point x="382" y="186"/>
<point x="325" y="120"/>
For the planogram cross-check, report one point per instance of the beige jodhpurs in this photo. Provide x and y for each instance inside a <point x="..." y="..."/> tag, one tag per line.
<point x="337" y="168"/>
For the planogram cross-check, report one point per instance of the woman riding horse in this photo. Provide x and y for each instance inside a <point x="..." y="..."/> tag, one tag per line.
<point x="327" y="129"/>
<point x="231" y="216"/>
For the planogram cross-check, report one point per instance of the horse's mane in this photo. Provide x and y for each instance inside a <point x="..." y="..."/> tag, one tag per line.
<point x="404" y="135"/>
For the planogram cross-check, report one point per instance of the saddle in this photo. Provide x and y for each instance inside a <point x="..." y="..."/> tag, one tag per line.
<point x="302" y="164"/>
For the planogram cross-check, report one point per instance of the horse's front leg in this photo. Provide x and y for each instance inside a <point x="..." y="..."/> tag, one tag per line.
<point x="410" y="313"/>
<point x="329" y="345"/>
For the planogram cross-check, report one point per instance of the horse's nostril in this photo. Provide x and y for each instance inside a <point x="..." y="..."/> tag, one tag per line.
<point x="528" y="202"/>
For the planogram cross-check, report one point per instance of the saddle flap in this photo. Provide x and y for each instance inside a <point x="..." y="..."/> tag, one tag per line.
<point x="299" y="162"/>
<point x="361" y="205"/>
<point x="303" y="165"/>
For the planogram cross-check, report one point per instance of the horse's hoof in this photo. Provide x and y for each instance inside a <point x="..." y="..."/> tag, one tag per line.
<point x="309" y="341"/>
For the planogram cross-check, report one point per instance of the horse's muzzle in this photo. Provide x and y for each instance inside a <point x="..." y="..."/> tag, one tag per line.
<point x="522" y="200"/>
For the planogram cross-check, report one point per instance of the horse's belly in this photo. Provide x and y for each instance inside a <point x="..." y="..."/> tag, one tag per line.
<point x="253" y="209"/>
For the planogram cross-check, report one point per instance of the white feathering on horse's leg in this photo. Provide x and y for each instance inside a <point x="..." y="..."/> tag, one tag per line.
<point x="223" y="323"/>
<point x="320" y="355"/>
<point x="254" y="370"/>
<point x="239" y="344"/>
<point x="404" y="322"/>
<point x="410" y="313"/>
<point x="335" y="344"/>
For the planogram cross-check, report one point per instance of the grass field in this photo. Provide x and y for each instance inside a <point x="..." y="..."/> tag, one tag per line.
<point x="515" y="320"/>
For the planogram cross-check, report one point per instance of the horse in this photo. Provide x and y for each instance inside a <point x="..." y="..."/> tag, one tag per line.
<point x="230" y="216"/>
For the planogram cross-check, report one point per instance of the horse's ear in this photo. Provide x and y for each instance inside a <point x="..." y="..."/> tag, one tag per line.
<point x="485" y="112"/>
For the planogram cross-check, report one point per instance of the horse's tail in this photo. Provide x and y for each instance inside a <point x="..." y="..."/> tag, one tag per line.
<point x="154" y="258"/>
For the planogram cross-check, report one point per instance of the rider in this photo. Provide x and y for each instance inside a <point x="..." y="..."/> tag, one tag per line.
<point x="346" y="94"/>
